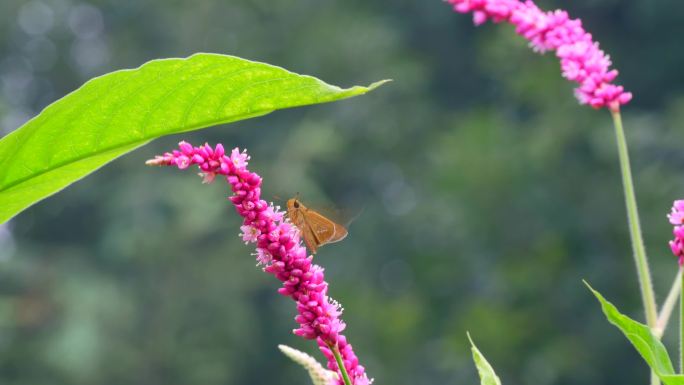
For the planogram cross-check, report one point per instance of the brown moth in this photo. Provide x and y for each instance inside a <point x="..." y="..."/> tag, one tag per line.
<point x="316" y="229"/>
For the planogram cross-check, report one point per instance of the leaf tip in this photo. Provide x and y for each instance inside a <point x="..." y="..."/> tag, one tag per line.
<point x="378" y="84"/>
<point x="470" y="339"/>
<point x="484" y="368"/>
<point x="593" y="291"/>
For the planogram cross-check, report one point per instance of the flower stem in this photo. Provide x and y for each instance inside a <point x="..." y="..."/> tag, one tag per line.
<point x="668" y="306"/>
<point x="634" y="228"/>
<point x="640" y="258"/>
<point x="340" y="364"/>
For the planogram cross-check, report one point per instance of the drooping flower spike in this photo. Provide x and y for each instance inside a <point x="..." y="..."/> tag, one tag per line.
<point x="278" y="249"/>
<point x="676" y="218"/>
<point x="582" y="61"/>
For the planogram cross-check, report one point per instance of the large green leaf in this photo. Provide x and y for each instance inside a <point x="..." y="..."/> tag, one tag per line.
<point x="487" y="375"/>
<point x="115" y="113"/>
<point x="646" y="343"/>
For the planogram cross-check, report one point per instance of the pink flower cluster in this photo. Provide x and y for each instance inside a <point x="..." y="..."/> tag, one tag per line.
<point x="279" y="250"/>
<point x="582" y="61"/>
<point x="676" y="217"/>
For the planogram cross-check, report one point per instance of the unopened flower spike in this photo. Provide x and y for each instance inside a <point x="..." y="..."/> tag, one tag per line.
<point x="581" y="59"/>
<point x="318" y="374"/>
<point x="279" y="251"/>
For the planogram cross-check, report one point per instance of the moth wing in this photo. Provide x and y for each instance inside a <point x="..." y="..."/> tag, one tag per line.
<point x="325" y="230"/>
<point x="309" y="238"/>
<point x="340" y="233"/>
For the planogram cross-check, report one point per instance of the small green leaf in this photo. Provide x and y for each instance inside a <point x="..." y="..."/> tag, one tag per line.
<point x="487" y="375"/>
<point x="646" y="343"/>
<point x="319" y="375"/>
<point x="118" y="112"/>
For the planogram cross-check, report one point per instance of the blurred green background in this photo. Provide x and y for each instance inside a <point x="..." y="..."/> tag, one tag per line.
<point x="487" y="195"/>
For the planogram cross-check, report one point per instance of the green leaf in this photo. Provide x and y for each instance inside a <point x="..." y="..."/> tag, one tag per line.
<point x="118" y="112"/>
<point x="646" y="343"/>
<point x="674" y="379"/>
<point x="487" y="375"/>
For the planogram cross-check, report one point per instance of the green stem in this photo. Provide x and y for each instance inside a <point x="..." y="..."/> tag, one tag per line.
<point x="634" y="228"/>
<point x="681" y="325"/>
<point x="340" y="364"/>
<point x="640" y="258"/>
<point x="668" y="306"/>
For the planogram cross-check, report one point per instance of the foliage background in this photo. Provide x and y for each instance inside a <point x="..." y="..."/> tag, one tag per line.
<point x="487" y="195"/>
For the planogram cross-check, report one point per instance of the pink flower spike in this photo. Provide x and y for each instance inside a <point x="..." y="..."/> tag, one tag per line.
<point x="581" y="59"/>
<point x="278" y="249"/>
<point x="676" y="217"/>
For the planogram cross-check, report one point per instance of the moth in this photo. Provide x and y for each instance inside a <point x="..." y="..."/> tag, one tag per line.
<point x="316" y="229"/>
